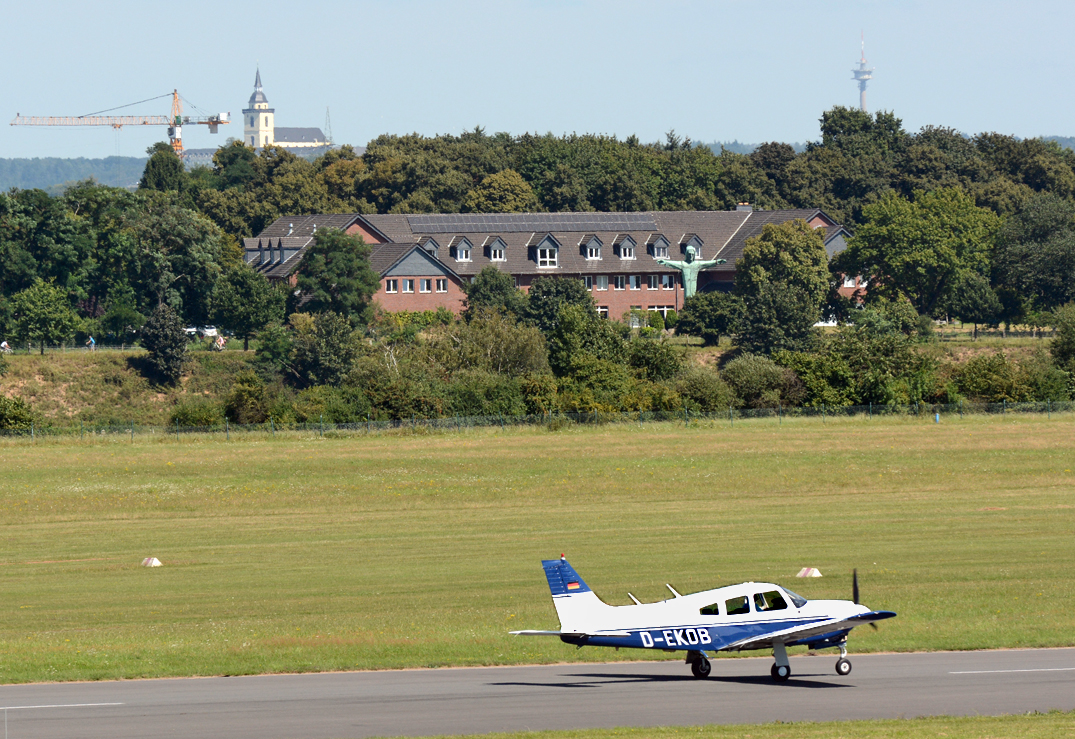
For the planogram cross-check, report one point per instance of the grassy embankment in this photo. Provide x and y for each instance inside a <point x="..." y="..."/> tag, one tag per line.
<point x="297" y="554"/>
<point x="106" y="388"/>
<point x="1033" y="726"/>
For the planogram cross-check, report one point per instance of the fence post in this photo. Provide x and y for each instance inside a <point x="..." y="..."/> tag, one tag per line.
<point x="501" y="421"/>
<point x="823" y="418"/>
<point x="1048" y="409"/>
<point x="686" y="418"/>
<point x="32" y="431"/>
<point x="961" y="409"/>
<point x="177" y="429"/>
<point x="779" y="414"/>
<point x="272" y="425"/>
<point x="81" y="430"/>
<point x="731" y="418"/>
<point x="132" y="432"/>
<point x="871" y="410"/>
<point x="227" y="430"/>
<point x="367" y="422"/>
<point x="1004" y="406"/>
<point x="322" y="432"/>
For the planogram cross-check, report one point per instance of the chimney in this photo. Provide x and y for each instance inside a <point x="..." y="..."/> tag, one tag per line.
<point x="743" y="208"/>
<point x="290" y="228"/>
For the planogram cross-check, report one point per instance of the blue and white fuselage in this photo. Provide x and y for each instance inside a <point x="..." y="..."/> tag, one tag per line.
<point x="737" y="617"/>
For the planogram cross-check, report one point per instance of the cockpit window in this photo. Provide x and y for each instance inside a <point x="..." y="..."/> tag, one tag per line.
<point x="737" y="606"/>
<point x="771" y="601"/>
<point x="797" y="599"/>
<point x="713" y="609"/>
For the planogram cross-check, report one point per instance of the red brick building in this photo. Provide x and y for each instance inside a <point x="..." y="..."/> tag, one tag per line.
<point x="424" y="259"/>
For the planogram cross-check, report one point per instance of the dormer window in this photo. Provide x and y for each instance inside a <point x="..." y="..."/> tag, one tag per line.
<point x="460" y="248"/>
<point x="590" y="246"/>
<point x="624" y="246"/>
<point x="430" y="246"/>
<point x="545" y="250"/>
<point x="495" y="249"/>
<point x="657" y="246"/>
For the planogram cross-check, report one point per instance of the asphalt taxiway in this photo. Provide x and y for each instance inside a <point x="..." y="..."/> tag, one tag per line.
<point x="479" y="700"/>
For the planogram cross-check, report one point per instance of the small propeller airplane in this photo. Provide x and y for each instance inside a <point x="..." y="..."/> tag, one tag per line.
<point x="751" y="615"/>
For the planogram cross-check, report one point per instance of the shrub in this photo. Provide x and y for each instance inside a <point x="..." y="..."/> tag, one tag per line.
<point x="994" y="378"/>
<point x="197" y="412"/>
<point x="400" y="389"/>
<point x="247" y="402"/>
<point x="479" y="393"/>
<point x="656" y="320"/>
<point x="15" y="414"/>
<point x="655" y="359"/>
<point x="326" y="348"/>
<point x="332" y="405"/>
<point x="703" y="390"/>
<point x="670" y="319"/>
<point x="760" y="383"/>
<point x="539" y="393"/>
<point x="709" y="316"/>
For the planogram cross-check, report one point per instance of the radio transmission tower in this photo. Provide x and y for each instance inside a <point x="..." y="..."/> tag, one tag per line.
<point x="862" y="75"/>
<point x="328" y="128"/>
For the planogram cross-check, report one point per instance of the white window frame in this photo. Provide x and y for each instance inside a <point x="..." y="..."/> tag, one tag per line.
<point x="668" y="282"/>
<point x="408" y="285"/>
<point x="425" y="285"/>
<point x="602" y="311"/>
<point x="653" y="282"/>
<point x="391" y="286"/>
<point x="593" y="252"/>
<point x="660" y="251"/>
<point x="602" y="282"/>
<point x="587" y="280"/>
<point x="548" y="257"/>
<point x="635" y="282"/>
<point x="442" y="284"/>
<point x="462" y="253"/>
<point x="496" y="254"/>
<point x="619" y="282"/>
<point x="849" y="281"/>
<point x="627" y="251"/>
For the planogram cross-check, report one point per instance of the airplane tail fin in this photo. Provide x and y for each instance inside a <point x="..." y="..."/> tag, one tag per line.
<point x="576" y="605"/>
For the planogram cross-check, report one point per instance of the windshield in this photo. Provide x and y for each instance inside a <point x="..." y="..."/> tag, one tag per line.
<point x="798" y="600"/>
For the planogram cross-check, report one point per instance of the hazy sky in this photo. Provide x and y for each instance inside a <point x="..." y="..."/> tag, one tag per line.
<point x="714" y="71"/>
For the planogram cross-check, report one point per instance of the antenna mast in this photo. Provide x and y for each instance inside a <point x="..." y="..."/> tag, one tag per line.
<point x="328" y="127"/>
<point x="862" y="75"/>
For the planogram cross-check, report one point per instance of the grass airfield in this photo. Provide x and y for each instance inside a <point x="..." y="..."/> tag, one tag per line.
<point x="304" y="554"/>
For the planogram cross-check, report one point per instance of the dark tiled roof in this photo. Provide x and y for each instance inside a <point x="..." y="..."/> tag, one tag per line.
<point x="284" y="136"/>
<point x="305" y="225"/>
<point x="385" y="255"/>
<point x="277" y="256"/>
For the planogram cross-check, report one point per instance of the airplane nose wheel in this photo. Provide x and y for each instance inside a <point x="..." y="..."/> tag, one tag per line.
<point x="701" y="668"/>
<point x="780" y="673"/>
<point x="843" y="667"/>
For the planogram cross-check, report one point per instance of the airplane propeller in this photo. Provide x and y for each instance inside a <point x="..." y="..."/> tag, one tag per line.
<point x="855" y="591"/>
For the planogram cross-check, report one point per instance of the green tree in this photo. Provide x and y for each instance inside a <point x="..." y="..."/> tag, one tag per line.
<point x="15" y="414"/>
<point x="335" y="276"/>
<point x="166" y="342"/>
<point x="1035" y="252"/>
<point x="778" y="317"/>
<point x="709" y="316"/>
<point x="580" y="333"/>
<point x="548" y="295"/>
<point x="164" y="170"/>
<point x="491" y="342"/>
<point x="503" y="192"/>
<point x="973" y="301"/>
<point x="43" y="315"/>
<point x="918" y="248"/>
<point x="1062" y="346"/>
<point x="233" y="165"/>
<point x="790" y="253"/>
<point x="493" y="290"/>
<point x="325" y="348"/>
<point x="245" y="302"/>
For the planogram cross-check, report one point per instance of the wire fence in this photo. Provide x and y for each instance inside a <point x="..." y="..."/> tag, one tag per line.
<point x="553" y="421"/>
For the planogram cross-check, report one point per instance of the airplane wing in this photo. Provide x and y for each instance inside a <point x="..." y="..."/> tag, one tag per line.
<point x="816" y="628"/>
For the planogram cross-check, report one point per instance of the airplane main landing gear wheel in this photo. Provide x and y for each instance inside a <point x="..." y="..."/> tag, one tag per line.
<point x="843" y="667"/>
<point x="701" y="668"/>
<point x="780" y="673"/>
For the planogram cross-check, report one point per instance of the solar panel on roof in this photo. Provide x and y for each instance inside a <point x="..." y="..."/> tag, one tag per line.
<point x="508" y="223"/>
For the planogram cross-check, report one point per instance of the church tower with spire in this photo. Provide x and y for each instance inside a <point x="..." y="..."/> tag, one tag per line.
<point x="258" y="124"/>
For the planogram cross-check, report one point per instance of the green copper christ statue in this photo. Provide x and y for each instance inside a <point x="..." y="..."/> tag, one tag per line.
<point x="690" y="269"/>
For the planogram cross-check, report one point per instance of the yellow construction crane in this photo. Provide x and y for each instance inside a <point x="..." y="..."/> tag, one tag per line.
<point x="174" y="122"/>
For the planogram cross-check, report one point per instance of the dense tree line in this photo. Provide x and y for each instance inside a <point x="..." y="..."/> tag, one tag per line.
<point x="981" y="228"/>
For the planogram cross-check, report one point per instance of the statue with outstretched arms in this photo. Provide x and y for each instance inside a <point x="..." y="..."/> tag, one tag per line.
<point x="689" y="268"/>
